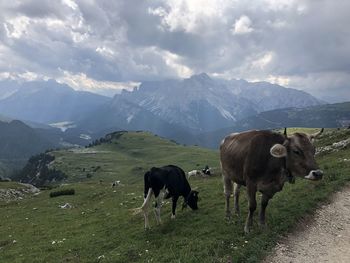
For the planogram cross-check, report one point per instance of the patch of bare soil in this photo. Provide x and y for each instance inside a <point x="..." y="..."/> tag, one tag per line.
<point x="323" y="238"/>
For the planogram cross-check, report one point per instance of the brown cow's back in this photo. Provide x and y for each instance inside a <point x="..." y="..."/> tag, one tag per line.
<point x="248" y="154"/>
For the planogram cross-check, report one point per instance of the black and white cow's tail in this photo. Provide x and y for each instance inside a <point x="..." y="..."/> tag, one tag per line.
<point x="145" y="204"/>
<point x="147" y="196"/>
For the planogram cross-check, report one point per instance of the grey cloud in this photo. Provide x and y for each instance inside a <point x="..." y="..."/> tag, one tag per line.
<point x="34" y="8"/>
<point x="308" y="45"/>
<point x="45" y="8"/>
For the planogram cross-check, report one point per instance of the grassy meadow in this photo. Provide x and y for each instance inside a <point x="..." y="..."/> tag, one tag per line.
<point x="100" y="226"/>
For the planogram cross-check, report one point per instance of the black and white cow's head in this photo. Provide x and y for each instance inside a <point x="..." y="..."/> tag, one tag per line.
<point x="191" y="200"/>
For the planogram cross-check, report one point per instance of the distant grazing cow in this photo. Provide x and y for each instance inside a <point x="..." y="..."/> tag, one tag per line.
<point x="115" y="183"/>
<point x="165" y="182"/>
<point x="194" y="173"/>
<point x="263" y="161"/>
<point x="206" y="170"/>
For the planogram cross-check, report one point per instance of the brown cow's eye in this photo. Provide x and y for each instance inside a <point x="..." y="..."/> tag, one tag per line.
<point x="297" y="152"/>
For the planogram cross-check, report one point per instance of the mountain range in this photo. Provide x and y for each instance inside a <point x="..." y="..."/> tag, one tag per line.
<point x="176" y="109"/>
<point x="46" y="101"/>
<point x="196" y="104"/>
<point x="327" y="116"/>
<point x="201" y="103"/>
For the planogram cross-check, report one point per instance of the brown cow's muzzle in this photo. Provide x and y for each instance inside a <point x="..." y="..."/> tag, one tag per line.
<point x="314" y="175"/>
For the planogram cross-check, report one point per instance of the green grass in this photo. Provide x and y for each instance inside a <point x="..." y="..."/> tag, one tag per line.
<point x="11" y="185"/>
<point x="129" y="157"/>
<point x="101" y="223"/>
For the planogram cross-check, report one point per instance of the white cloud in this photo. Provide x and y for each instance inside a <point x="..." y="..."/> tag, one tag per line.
<point x="29" y="76"/>
<point x="330" y="86"/>
<point x="278" y="23"/>
<point x="242" y="26"/>
<point x="22" y="77"/>
<point x="108" y="52"/>
<point x="81" y="81"/>
<point x="278" y="5"/>
<point x="190" y="15"/>
<point x="280" y="80"/>
<point x="16" y="27"/>
<point x="263" y="61"/>
<point x="71" y="4"/>
<point x="174" y="62"/>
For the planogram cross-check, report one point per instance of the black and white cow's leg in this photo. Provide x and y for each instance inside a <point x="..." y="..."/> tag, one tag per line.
<point x="251" y="191"/>
<point x="159" y="202"/>
<point x="173" y="208"/>
<point x="145" y="207"/>
<point x="264" y="202"/>
<point x="228" y="187"/>
<point x="236" y="192"/>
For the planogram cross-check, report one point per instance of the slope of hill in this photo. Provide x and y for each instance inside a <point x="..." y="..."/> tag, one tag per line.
<point x="327" y="116"/>
<point x="128" y="154"/>
<point x="47" y="102"/>
<point x="97" y="225"/>
<point x="17" y="140"/>
<point x="124" y="152"/>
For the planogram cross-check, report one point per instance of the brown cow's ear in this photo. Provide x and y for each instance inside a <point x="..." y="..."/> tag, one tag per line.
<point x="278" y="151"/>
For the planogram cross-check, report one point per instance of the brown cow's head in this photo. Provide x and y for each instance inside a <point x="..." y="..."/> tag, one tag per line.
<point x="299" y="152"/>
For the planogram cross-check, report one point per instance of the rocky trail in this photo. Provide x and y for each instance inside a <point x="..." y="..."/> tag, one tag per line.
<point x="323" y="238"/>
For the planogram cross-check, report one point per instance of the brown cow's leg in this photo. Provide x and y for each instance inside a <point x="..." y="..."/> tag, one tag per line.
<point x="264" y="202"/>
<point x="237" y="188"/>
<point x="228" y="185"/>
<point x="251" y="191"/>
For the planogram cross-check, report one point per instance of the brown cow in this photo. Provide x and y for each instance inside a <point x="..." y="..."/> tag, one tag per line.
<point x="263" y="161"/>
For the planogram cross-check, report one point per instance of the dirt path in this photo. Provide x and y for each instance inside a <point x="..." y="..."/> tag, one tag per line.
<point x="324" y="238"/>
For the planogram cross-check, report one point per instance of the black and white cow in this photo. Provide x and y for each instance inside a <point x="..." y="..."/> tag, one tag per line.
<point x="165" y="182"/>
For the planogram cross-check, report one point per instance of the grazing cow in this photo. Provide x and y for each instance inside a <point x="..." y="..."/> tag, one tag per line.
<point x="165" y="182"/>
<point x="263" y="161"/>
<point x="194" y="173"/>
<point x="115" y="183"/>
<point x="206" y="170"/>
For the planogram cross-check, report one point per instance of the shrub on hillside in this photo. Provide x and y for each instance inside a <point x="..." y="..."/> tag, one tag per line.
<point x="62" y="192"/>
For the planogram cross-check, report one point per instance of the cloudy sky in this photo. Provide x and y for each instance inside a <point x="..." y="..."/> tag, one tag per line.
<point x="303" y="44"/>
